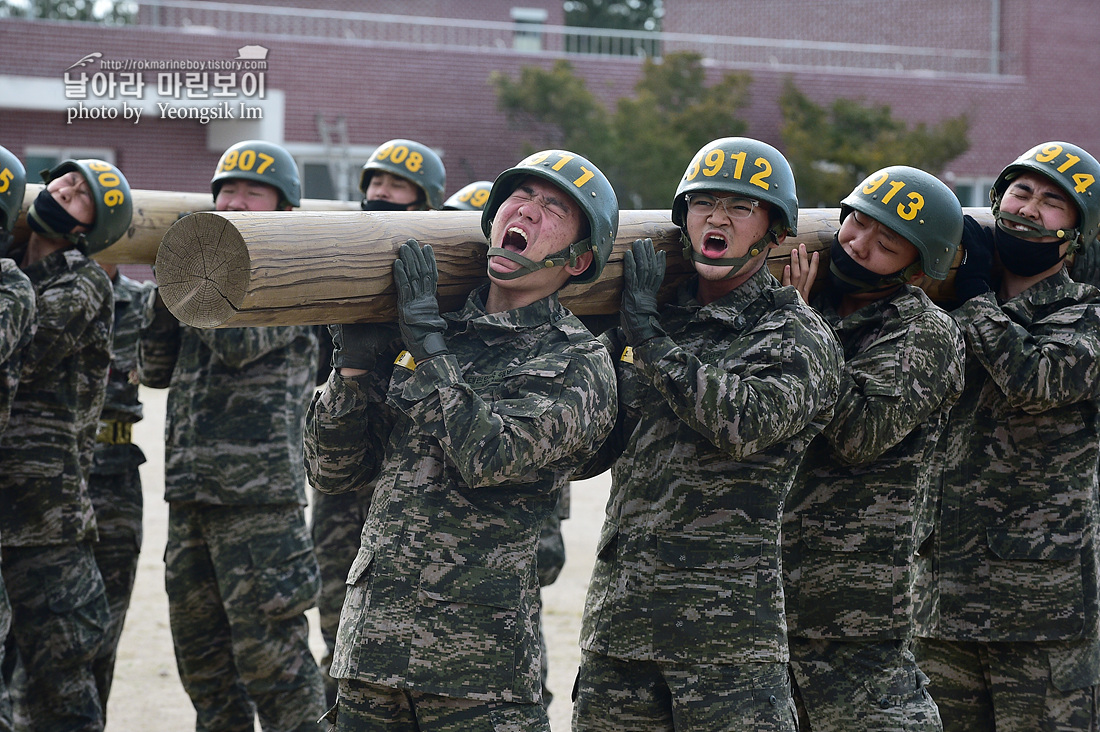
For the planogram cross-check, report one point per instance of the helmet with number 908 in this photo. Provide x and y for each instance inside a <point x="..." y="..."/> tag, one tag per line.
<point x="412" y="161"/>
<point x="1073" y="170"/>
<point x="580" y="180"/>
<point x="13" y="186"/>
<point x="262" y="162"/>
<point x="917" y="206"/>
<point x="745" y="167"/>
<point x="110" y="192"/>
<point x="471" y="197"/>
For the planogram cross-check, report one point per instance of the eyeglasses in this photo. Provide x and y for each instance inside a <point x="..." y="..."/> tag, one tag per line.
<point x="705" y="204"/>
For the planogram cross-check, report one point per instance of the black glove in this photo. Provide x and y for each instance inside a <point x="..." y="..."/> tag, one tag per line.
<point x="358" y="345"/>
<point x="643" y="271"/>
<point x="415" y="275"/>
<point x="975" y="274"/>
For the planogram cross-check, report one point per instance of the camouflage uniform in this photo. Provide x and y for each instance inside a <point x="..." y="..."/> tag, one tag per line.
<point x="115" y="484"/>
<point x="467" y="453"/>
<point x="59" y="610"/>
<point x="861" y="505"/>
<point x="239" y="564"/>
<point x="1015" y="550"/>
<point x="686" y="595"/>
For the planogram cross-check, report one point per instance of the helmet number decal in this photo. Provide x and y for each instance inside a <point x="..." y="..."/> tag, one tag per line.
<point x="1049" y="153"/>
<point x="563" y="160"/>
<point x="713" y="161"/>
<point x="109" y="179"/>
<point x="401" y="155"/>
<point x="6" y="177"/>
<point x="907" y="212"/>
<point x="476" y="197"/>
<point x="245" y="160"/>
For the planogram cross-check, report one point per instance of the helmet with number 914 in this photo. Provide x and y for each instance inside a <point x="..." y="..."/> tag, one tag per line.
<point x="412" y="161"/>
<point x="1073" y="170"/>
<point x="110" y="192"/>
<point x="13" y="186"/>
<point x="917" y="206"/>
<point x="471" y="197"/>
<point x="745" y="167"/>
<point x="262" y="162"/>
<point x="580" y="180"/>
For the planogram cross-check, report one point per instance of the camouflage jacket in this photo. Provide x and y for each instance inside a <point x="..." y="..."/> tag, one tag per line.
<point x="713" y="423"/>
<point x="16" y="329"/>
<point x="443" y="595"/>
<point x="1015" y="549"/>
<point x="236" y="408"/>
<point x="862" y="502"/>
<point x="46" y="452"/>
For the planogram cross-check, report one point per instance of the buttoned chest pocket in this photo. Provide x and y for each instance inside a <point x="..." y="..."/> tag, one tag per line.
<point x="528" y="391"/>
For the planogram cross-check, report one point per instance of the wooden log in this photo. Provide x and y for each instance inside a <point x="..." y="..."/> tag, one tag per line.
<point x="302" y="268"/>
<point x="154" y="214"/>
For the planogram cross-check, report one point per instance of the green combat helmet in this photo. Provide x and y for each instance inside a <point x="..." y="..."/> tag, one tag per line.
<point x="412" y="161"/>
<point x="1073" y="170"/>
<point x="918" y="206"/>
<point x="745" y="167"/>
<point x="471" y="197"/>
<point x="114" y="204"/>
<point x="584" y="183"/>
<point x="262" y="162"/>
<point x="13" y="185"/>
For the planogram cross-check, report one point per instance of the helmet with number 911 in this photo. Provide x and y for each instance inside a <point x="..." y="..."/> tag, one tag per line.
<point x="13" y="186"/>
<point x="261" y="162"/>
<point x="110" y="192"/>
<point x="412" y="161"/>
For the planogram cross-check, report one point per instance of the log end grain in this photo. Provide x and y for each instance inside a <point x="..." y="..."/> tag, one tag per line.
<point x="202" y="269"/>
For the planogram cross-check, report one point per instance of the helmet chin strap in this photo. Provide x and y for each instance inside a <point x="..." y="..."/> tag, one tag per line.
<point x="570" y="255"/>
<point x="735" y="263"/>
<point x="1033" y="232"/>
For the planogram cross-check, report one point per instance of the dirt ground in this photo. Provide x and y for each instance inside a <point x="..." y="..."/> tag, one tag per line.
<point x="147" y="694"/>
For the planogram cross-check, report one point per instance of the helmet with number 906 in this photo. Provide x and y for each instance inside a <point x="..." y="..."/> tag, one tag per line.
<point x="745" y="167"/>
<point x="580" y="180"/>
<point x="262" y="162"/>
<point x="13" y="186"/>
<point x="917" y="206"/>
<point x="471" y="197"/>
<point x="110" y="192"/>
<point x="1073" y="170"/>
<point x="412" y="161"/>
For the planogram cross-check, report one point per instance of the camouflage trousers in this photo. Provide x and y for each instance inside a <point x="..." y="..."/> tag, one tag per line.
<point x="549" y="561"/>
<point x="866" y="685"/>
<point x="336" y="523"/>
<point x="59" y="618"/>
<point x="239" y="580"/>
<point x="5" y="626"/>
<point x="614" y="695"/>
<point x="1013" y="687"/>
<point x="364" y="707"/>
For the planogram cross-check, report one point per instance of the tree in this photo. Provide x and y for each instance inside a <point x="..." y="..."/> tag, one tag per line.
<point x="832" y="149"/>
<point x="115" y="12"/>
<point x="645" y="144"/>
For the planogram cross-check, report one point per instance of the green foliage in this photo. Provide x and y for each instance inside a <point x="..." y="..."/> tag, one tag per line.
<point x="646" y="143"/>
<point x="832" y="149"/>
<point x="116" y="12"/>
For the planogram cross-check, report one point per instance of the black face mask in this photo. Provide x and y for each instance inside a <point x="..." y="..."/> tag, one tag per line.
<point x="1025" y="258"/>
<point x="378" y="205"/>
<point x="847" y="276"/>
<point x="49" y="218"/>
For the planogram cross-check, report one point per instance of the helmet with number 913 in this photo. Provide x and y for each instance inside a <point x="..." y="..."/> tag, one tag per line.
<point x="917" y="206"/>
<point x="471" y="197"/>
<point x="110" y="192"/>
<point x="13" y="186"/>
<point x="745" y="167"/>
<point x="1073" y="170"/>
<point x="412" y="161"/>
<point x="580" y="180"/>
<point x="262" y="162"/>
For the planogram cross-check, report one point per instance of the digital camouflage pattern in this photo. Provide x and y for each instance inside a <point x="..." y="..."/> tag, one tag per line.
<point x="17" y="311"/>
<point x="467" y="456"/>
<point x="713" y="423"/>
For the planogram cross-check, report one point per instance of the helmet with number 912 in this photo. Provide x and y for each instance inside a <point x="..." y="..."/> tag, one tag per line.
<point x="582" y="181"/>
<point x="110" y="192"/>
<point x="745" y="167"/>
<point x="917" y="206"/>
<point x="471" y="197"/>
<point x="262" y="162"/>
<point x="13" y="186"/>
<point x="1073" y="170"/>
<point x="412" y="161"/>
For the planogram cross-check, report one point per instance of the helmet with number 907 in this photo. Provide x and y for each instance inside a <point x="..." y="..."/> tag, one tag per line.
<point x="745" y="167"/>
<point x="412" y="161"/>
<point x="13" y="186"/>
<point x="917" y="206"/>
<point x="262" y="162"/>
<point x="471" y="197"/>
<point x="580" y="180"/>
<point x="110" y="192"/>
<point x="1073" y="170"/>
